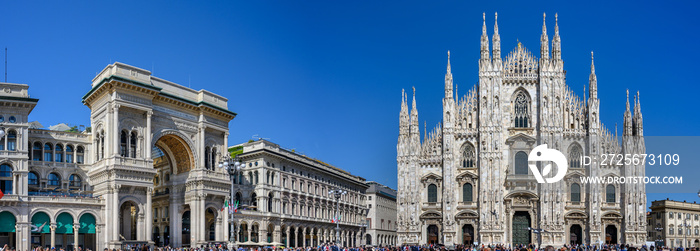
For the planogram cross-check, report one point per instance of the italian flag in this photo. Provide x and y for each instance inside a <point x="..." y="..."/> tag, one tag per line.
<point x="225" y="205"/>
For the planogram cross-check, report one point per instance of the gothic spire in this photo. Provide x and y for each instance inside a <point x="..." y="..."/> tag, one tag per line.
<point x="496" y="40"/>
<point x="593" y="81"/>
<point x="556" y="41"/>
<point x="403" y="115"/>
<point x="627" y="130"/>
<point x="484" y="40"/>
<point x="544" y="39"/>
<point x="638" y="123"/>
<point x="448" y="79"/>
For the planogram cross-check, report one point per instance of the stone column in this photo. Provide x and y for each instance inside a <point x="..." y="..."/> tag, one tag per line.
<point x="147" y="136"/>
<point x="149" y="214"/>
<point x="277" y="234"/>
<point x="53" y="234"/>
<point x="262" y="236"/>
<point x="115" y="131"/>
<point x="286" y="242"/>
<point x="303" y="236"/>
<point x="76" y="228"/>
<point x="115" y="212"/>
<point x="250" y="230"/>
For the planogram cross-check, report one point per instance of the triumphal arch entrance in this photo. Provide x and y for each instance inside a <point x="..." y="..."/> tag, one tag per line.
<point x="156" y="146"/>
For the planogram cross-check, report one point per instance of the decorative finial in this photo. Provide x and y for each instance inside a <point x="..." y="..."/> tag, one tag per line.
<point x="556" y="17"/>
<point x="414" y="91"/>
<point x="544" y="16"/>
<point x="496" y="16"/>
<point x="591" y="55"/>
<point x="484" y="14"/>
<point x="637" y="96"/>
<point x="448" y="54"/>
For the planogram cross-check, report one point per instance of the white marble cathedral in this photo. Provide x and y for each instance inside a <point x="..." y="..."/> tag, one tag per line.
<point x="468" y="180"/>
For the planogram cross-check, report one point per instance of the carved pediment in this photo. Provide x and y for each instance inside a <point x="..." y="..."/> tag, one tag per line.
<point x="431" y="178"/>
<point x="467" y="176"/>
<point x="576" y="214"/>
<point x="529" y="140"/>
<point x="612" y="215"/>
<point x="431" y="215"/>
<point x="466" y="214"/>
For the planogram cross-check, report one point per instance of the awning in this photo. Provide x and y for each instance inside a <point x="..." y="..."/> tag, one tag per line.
<point x="64" y="224"/>
<point x="87" y="224"/>
<point x="42" y="219"/>
<point x="7" y="222"/>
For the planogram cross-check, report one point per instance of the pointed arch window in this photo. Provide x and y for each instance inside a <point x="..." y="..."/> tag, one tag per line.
<point x="575" y="156"/>
<point x="467" y="192"/>
<point x="521" y="104"/>
<point x="468" y="156"/>
<point x="575" y="192"/>
<point x="521" y="163"/>
<point x="432" y="193"/>
<point x="610" y="194"/>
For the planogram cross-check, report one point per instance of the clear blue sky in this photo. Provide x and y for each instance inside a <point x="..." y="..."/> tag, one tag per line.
<point x="325" y="78"/>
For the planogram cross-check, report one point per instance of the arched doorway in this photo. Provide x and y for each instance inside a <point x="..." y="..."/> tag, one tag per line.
<point x="186" y="227"/>
<point x="292" y="236"/>
<point x="368" y="238"/>
<point x="210" y="224"/>
<point x="433" y="234"/>
<point x="696" y="243"/>
<point x="575" y="235"/>
<point x="128" y="214"/>
<point x="467" y="234"/>
<point x="7" y="229"/>
<point x="611" y="234"/>
<point x="64" y="231"/>
<point x="270" y="230"/>
<point x="521" y="221"/>
<point x="42" y="235"/>
<point x="243" y="232"/>
<point x="86" y="238"/>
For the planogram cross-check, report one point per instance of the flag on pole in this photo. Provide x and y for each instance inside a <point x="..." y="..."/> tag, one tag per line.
<point x="1" y="194"/>
<point x="225" y="205"/>
<point x="235" y="207"/>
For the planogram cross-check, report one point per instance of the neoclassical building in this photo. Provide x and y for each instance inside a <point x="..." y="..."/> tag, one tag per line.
<point x="468" y="179"/>
<point x="145" y="173"/>
<point x="674" y="223"/>
<point x="381" y="220"/>
<point x="287" y="199"/>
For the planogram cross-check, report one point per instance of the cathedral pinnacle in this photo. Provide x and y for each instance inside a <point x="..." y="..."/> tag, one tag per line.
<point x="544" y="39"/>
<point x="556" y="40"/>
<point x="496" y="40"/>
<point x="628" y="100"/>
<point x="484" y="40"/>
<point x="449" y="69"/>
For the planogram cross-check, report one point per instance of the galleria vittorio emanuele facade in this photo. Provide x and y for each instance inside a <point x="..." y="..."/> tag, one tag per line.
<point x="468" y="179"/>
<point x="146" y="173"/>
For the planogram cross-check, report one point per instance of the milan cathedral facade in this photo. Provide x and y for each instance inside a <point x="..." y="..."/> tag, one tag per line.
<point x="467" y="181"/>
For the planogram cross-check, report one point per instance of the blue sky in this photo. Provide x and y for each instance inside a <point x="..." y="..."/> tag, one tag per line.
<point x="325" y="77"/>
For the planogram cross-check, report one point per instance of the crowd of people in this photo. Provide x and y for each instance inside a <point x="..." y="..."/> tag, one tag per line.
<point x="332" y="247"/>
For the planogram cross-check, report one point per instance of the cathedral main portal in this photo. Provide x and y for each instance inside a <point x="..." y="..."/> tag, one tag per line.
<point x="521" y="222"/>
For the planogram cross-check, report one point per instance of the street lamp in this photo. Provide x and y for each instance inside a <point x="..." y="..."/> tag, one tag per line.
<point x="658" y="228"/>
<point x="232" y="166"/>
<point x="338" y="193"/>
